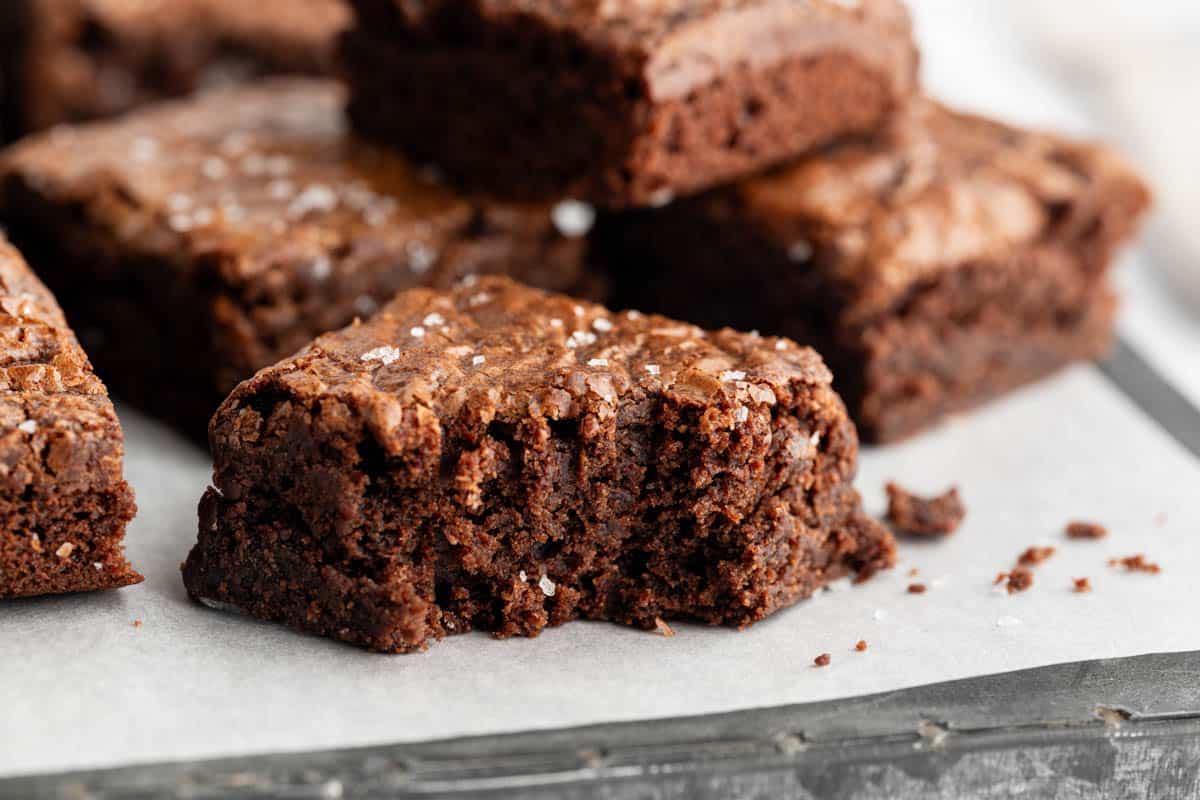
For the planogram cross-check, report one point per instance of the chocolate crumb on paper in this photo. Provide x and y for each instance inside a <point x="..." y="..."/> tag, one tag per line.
<point x="861" y="646"/>
<point x="1019" y="580"/>
<point x="917" y="588"/>
<point x="1035" y="555"/>
<point x="924" y="516"/>
<point x="822" y="660"/>
<point x="137" y="624"/>
<point x="1135" y="563"/>
<point x="1086" y="530"/>
<point x="1081" y="585"/>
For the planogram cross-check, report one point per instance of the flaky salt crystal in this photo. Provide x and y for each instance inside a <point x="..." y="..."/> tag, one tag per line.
<point x="386" y="354"/>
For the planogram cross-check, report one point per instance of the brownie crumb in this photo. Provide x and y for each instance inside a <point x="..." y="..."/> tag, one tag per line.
<point x="916" y="588"/>
<point x="861" y="646"/>
<point x="1082" y="585"/>
<point x="1019" y="580"/>
<point x="822" y="660"/>
<point x="1034" y="556"/>
<point x="922" y="516"/>
<point x="137" y="623"/>
<point x="914" y="572"/>
<point x="1135" y="563"/>
<point x="662" y="627"/>
<point x="1086" y="530"/>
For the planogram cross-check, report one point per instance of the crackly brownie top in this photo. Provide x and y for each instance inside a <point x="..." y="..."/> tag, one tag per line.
<point x="38" y="352"/>
<point x="683" y="44"/>
<point x="522" y="351"/>
<point x="56" y="421"/>
<point x="936" y="191"/>
<point x="261" y="175"/>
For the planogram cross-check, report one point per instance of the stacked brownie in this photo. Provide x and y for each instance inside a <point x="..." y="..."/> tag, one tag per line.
<point x="65" y="61"/>
<point x="622" y="101"/>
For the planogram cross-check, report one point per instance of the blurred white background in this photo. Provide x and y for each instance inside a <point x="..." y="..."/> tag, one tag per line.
<point x="1127" y="71"/>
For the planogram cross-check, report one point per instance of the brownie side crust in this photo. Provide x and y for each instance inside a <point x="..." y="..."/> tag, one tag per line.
<point x="622" y="104"/>
<point x="78" y="60"/>
<point x="935" y="266"/>
<point x="201" y="240"/>
<point x="63" y="502"/>
<point x="492" y="457"/>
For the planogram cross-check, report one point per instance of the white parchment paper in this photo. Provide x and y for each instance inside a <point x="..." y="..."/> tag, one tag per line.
<point x="84" y="687"/>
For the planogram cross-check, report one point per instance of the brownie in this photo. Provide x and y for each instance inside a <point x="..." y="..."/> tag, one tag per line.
<point x="197" y="241"/>
<point x="494" y="457"/>
<point x="622" y="103"/>
<point x="63" y="502"/>
<point x="66" y="61"/>
<point x="924" y="516"/>
<point x="934" y="266"/>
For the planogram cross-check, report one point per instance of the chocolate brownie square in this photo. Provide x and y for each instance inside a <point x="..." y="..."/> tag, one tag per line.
<point x="65" y="61"/>
<point x="63" y="501"/>
<point x="494" y="457"/>
<point x="934" y="266"/>
<point x="622" y="103"/>
<point x="195" y="242"/>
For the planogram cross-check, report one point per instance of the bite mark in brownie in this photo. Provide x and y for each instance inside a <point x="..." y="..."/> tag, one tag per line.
<point x="935" y="265"/>
<point x="523" y="460"/>
<point x="622" y="103"/>
<point x="68" y="61"/>
<point x="198" y="241"/>
<point x="64" y="504"/>
<point x="924" y="517"/>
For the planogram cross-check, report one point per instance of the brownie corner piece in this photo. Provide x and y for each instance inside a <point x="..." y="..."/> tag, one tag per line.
<point x="64" y="504"/>
<point x="623" y="103"/>
<point x="498" y="458"/>
<point x="935" y="265"/>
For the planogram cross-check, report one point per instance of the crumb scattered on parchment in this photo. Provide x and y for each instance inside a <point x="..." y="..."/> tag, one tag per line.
<point x="1018" y="580"/>
<point x="1135" y="563"/>
<point x="661" y="625"/>
<point x="916" y="588"/>
<point x="1034" y="556"/>
<point x="822" y="660"/>
<point x="914" y="572"/>
<point x="137" y="623"/>
<point x="1082" y="585"/>
<point x="1086" y="530"/>
<point x="861" y="646"/>
<point x="924" y="516"/>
